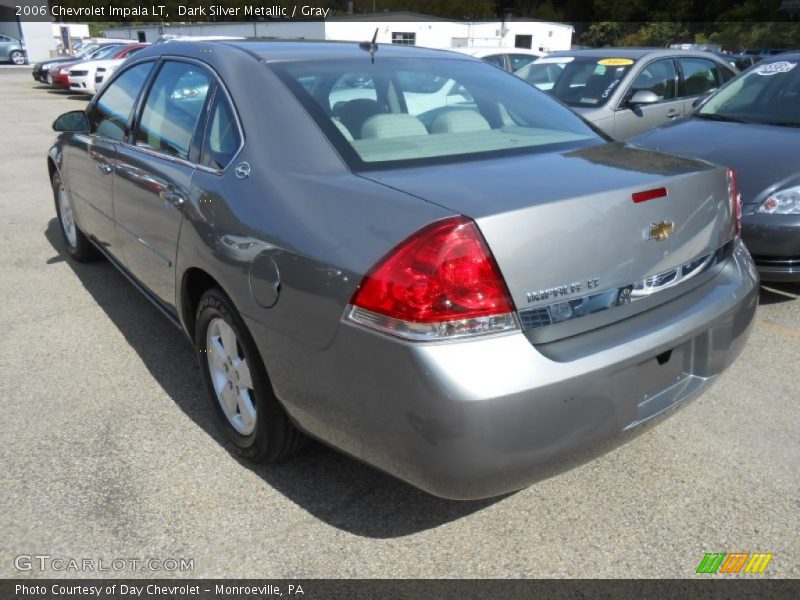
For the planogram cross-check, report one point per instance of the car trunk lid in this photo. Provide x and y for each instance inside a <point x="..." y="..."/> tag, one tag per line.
<point x="565" y="226"/>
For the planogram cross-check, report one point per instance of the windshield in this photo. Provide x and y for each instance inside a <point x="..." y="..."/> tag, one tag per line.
<point x="582" y="81"/>
<point x="105" y="52"/>
<point x="397" y="111"/>
<point x="86" y="50"/>
<point x="768" y="93"/>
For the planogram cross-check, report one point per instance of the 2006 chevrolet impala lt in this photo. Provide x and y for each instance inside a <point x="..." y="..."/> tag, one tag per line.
<point x="470" y="295"/>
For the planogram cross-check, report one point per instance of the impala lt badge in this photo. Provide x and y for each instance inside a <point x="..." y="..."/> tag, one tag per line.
<point x="659" y="231"/>
<point x="563" y="290"/>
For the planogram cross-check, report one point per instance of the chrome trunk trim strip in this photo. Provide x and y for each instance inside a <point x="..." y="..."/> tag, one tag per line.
<point x="567" y="310"/>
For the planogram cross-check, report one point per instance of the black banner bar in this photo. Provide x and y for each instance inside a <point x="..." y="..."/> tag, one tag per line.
<point x="733" y="588"/>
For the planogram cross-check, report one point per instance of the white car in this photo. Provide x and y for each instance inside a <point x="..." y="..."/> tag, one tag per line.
<point x="196" y="38"/>
<point x="87" y="77"/>
<point x="510" y="59"/>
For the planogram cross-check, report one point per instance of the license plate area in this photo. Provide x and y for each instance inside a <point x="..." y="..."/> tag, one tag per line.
<point x="663" y="381"/>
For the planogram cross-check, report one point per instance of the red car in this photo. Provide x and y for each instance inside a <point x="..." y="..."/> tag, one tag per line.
<point x="58" y="75"/>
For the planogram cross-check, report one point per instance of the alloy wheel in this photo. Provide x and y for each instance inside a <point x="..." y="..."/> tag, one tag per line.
<point x="230" y="376"/>
<point x="18" y="58"/>
<point x="67" y="217"/>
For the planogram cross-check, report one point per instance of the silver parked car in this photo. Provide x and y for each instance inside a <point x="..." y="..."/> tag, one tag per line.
<point x="12" y="50"/>
<point x="625" y="91"/>
<point x="470" y="298"/>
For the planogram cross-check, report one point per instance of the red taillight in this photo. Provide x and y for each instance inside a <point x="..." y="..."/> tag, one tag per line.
<point x="443" y="273"/>
<point x="736" y="202"/>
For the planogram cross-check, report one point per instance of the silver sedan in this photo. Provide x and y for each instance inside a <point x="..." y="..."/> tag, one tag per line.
<point x="625" y="91"/>
<point x="470" y="295"/>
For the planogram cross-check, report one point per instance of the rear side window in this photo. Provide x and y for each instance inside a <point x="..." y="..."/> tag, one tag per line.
<point x="222" y="138"/>
<point x="699" y="76"/>
<point x="173" y="108"/>
<point x="110" y="117"/>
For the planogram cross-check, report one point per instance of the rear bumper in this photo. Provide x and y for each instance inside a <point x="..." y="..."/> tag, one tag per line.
<point x="774" y="242"/>
<point x="475" y="419"/>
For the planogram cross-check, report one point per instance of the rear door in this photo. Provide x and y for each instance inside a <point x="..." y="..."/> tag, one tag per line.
<point x="154" y="173"/>
<point x="661" y="78"/>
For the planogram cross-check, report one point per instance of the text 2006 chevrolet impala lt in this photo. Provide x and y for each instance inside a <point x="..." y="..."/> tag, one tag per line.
<point x="470" y="290"/>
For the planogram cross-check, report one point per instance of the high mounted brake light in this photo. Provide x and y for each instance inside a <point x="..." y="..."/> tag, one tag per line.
<point x="649" y="195"/>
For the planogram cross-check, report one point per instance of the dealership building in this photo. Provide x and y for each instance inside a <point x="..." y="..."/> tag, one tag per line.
<point x="398" y="28"/>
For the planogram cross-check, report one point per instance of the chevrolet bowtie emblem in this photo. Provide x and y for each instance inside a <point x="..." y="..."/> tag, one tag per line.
<point x="659" y="231"/>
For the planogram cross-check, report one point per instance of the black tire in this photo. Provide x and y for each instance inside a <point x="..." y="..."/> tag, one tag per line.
<point x="274" y="438"/>
<point x="17" y="57"/>
<point x="82" y="250"/>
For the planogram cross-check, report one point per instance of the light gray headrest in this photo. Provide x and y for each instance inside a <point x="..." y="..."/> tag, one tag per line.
<point x="458" y="121"/>
<point x="392" y="126"/>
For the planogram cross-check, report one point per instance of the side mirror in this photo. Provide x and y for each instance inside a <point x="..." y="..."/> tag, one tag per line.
<point x="74" y="120"/>
<point x="643" y="97"/>
<point x="700" y="100"/>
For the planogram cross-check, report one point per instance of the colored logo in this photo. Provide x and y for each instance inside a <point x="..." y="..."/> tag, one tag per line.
<point x="659" y="231"/>
<point x="734" y="562"/>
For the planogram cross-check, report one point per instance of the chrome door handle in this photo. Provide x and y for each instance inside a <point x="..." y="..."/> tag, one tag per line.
<point x="673" y="114"/>
<point x="173" y="196"/>
<point x="104" y="168"/>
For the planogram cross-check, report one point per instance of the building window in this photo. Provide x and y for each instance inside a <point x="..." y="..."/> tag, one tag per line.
<point x="523" y="41"/>
<point x="404" y="38"/>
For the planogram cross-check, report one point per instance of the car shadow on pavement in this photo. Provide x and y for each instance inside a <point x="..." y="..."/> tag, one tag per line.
<point x="340" y="491"/>
<point x="774" y="293"/>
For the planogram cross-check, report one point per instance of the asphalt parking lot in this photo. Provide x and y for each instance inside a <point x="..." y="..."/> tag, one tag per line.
<point x="109" y="449"/>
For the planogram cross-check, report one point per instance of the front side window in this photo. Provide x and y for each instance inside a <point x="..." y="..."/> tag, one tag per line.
<point x="584" y="81"/>
<point x="114" y="106"/>
<point x="699" y="76"/>
<point x="433" y="109"/>
<point x="222" y="138"/>
<point x="658" y="77"/>
<point x="173" y="108"/>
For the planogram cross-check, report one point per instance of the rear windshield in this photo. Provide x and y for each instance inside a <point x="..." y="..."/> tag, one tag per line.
<point x="583" y="81"/>
<point x="401" y="111"/>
